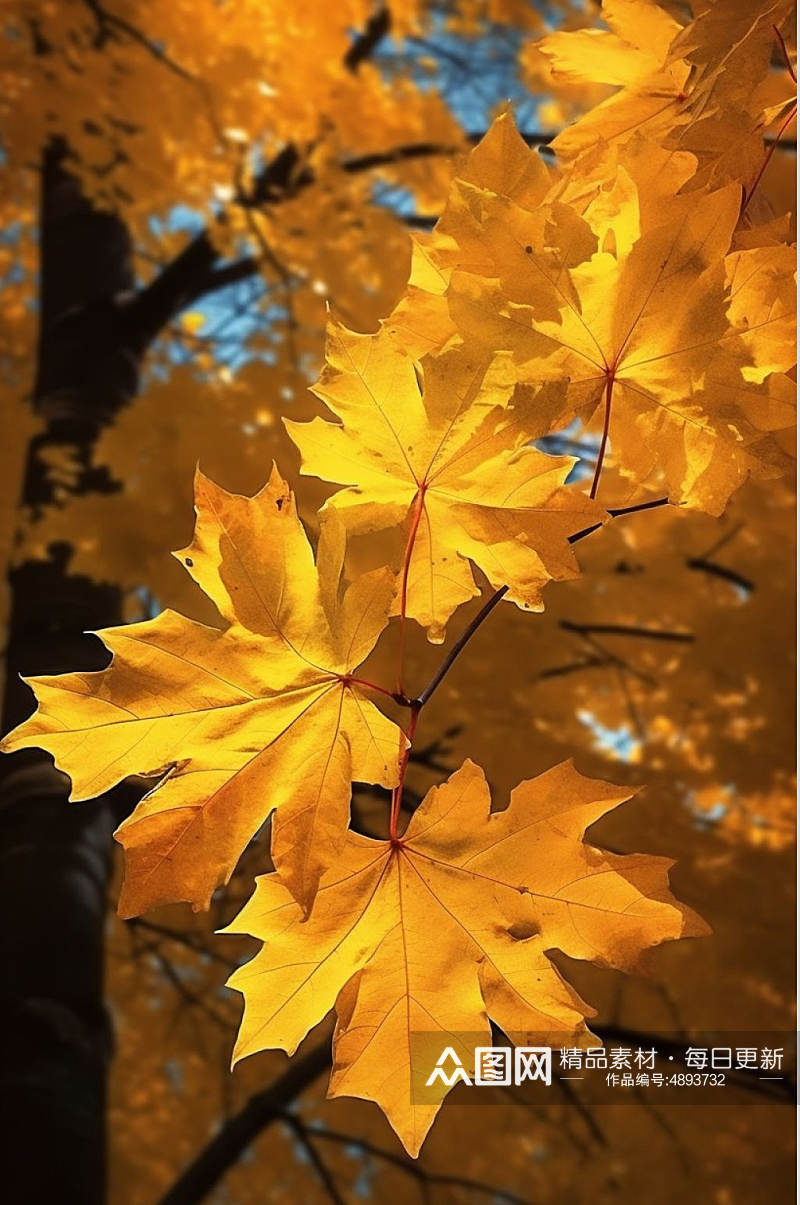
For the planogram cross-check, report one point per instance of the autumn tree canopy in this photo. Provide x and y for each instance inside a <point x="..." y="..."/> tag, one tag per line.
<point x="470" y="332"/>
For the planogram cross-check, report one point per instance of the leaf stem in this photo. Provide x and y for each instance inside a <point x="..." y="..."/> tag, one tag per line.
<point x="785" y="53"/>
<point x="397" y="792"/>
<point x="416" y="517"/>
<point x="416" y="705"/>
<point x="767" y="157"/>
<point x="601" y="451"/>
<point x="395" y="696"/>
<point x="776" y="141"/>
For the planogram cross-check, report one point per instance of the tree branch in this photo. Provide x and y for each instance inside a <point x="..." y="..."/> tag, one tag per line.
<point x="397" y="154"/>
<point x="728" y="575"/>
<point x="410" y="1166"/>
<point x="621" y="629"/>
<point x="304" y="1136"/>
<point x="374" y="31"/>
<point x="617" y="513"/>
<point x="459" y="645"/>
<point x="230" y="274"/>
<point x="586" y="631"/>
<point x="177" y="286"/>
<point x="236" y="1134"/>
<point x="194" y="272"/>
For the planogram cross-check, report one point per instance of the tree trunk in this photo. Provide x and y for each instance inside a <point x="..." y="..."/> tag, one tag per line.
<point x="55" y="857"/>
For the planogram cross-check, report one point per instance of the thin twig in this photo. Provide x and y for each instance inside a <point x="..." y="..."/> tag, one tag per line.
<point x="235" y="1135"/>
<point x="613" y="659"/>
<point x="415" y="1169"/>
<point x="724" y="539"/>
<point x="616" y="513"/>
<point x="622" y="629"/>
<point x="303" y="1135"/>
<point x="184" y="939"/>
<point x="460" y="644"/>
<point x="722" y="571"/>
<point x="601" y="451"/>
<point x="458" y="647"/>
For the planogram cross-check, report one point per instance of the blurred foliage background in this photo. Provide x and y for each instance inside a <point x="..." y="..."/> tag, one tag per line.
<point x="185" y="190"/>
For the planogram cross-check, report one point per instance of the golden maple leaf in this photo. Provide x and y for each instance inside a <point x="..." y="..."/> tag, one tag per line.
<point x="684" y="350"/>
<point x="430" y="936"/>
<point x="262" y="715"/>
<point x="632" y="55"/>
<point x="501" y="163"/>
<point x="704" y="87"/>
<point x="443" y="446"/>
<point x="729" y="47"/>
<point x="733" y="95"/>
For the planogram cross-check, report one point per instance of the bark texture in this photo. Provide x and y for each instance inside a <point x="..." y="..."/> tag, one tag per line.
<point x="55" y="857"/>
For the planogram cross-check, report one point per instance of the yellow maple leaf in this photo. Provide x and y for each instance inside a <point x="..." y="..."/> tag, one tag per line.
<point x="442" y="445"/>
<point x="237" y="722"/>
<point x="633" y="55"/>
<point x="500" y="163"/>
<point x="732" y="92"/>
<point x="705" y="87"/>
<point x="729" y="47"/>
<point x="426" y="938"/>
<point x="683" y="349"/>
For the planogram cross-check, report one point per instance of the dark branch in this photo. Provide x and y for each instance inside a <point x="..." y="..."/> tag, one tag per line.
<point x="621" y="629"/>
<point x="179" y="937"/>
<point x="194" y="272"/>
<point x="374" y="31"/>
<point x="236" y="1134"/>
<point x="398" y="154"/>
<point x="585" y="631"/>
<point x="617" y="513"/>
<point x="304" y="1136"/>
<point x="561" y="671"/>
<point x="230" y="274"/>
<point x="107" y="20"/>
<point x="728" y="575"/>
<point x="457" y="648"/>
<point x="412" y="1167"/>
<point x="287" y="174"/>
<point x="183" y="280"/>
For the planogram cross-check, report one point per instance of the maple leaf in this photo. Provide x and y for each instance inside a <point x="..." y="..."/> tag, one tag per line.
<point x="733" y="95"/>
<point x="442" y="445"/>
<point x="684" y="349"/>
<point x="436" y="933"/>
<point x="237" y="722"/>
<point x="705" y="87"/>
<point x="500" y="163"/>
<point x="633" y="55"/>
<point x="729" y="47"/>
